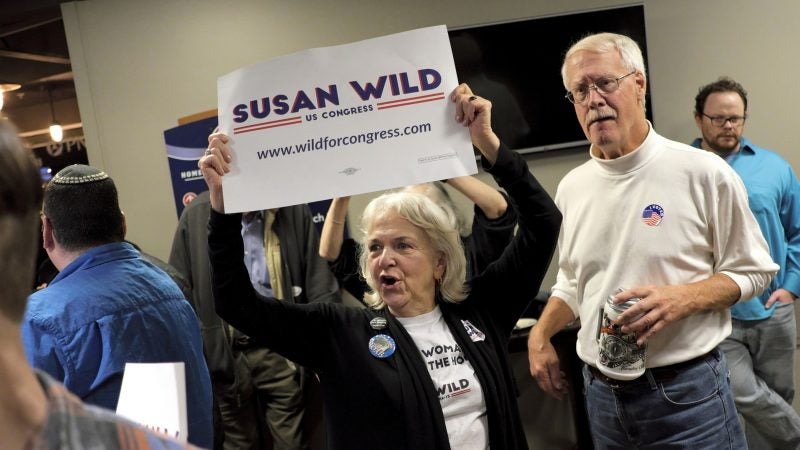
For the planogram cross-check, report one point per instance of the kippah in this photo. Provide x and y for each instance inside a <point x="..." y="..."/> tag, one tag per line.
<point x="79" y="174"/>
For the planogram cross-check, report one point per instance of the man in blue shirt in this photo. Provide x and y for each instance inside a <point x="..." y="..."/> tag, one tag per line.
<point x="108" y="306"/>
<point x="35" y="411"/>
<point x="760" y="350"/>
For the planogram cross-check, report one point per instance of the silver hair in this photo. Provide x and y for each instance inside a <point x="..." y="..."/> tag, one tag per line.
<point x="627" y="48"/>
<point x="424" y="213"/>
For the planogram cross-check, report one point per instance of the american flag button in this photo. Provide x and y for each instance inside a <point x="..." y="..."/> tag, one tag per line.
<point x="653" y="215"/>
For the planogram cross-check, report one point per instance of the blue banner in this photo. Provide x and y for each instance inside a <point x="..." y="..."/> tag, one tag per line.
<point x="185" y="146"/>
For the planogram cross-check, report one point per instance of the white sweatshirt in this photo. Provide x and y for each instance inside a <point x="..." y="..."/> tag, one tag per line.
<point x="664" y="214"/>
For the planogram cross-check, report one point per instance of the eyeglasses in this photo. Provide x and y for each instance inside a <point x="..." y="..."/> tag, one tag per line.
<point x="603" y="85"/>
<point x="719" y="121"/>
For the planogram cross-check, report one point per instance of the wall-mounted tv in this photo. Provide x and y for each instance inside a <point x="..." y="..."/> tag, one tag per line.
<point x="517" y="65"/>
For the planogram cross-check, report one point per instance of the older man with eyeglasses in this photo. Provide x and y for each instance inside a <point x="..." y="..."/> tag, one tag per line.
<point x="670" y="226"/>
<point x="760" y="350"/>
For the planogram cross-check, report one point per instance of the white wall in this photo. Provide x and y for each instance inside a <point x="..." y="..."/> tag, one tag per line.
<point x="141" y="65"/>
<point x="755" y="42"/>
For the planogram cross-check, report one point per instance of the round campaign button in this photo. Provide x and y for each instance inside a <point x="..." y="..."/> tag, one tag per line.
<point x="378" y="323"/>
<point x="382" y="346"/>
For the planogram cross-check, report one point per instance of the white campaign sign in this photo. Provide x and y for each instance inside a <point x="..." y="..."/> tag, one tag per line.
<point x="343" y="120"/>
<point x="154" y="395"/>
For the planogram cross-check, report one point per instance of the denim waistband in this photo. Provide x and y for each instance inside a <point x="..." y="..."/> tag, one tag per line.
<point x="655" y="374"/>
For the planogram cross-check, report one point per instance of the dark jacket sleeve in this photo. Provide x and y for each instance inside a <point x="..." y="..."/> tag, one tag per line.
<point x="179" y="256"/>
<point x="345" y="269"/>
<point x="189" y="256"/>
<point x="490" y="237"/>
<point x="509" y="284"/>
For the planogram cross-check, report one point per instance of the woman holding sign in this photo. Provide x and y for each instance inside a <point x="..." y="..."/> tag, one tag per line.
<point x="425" y="366"/>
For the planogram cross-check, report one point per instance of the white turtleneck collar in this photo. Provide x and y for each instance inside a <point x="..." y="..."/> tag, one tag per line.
<point x="639" y="157"/>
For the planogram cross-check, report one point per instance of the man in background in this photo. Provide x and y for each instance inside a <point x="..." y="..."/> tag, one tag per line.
<point x="36" y="412"/>
<point x="108" y="306"/>
<point x="760" y="350"/>
<point x="253" y="385"/>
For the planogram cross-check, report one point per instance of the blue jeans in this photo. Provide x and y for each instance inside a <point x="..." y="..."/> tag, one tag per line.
<point x="692" y="409"/>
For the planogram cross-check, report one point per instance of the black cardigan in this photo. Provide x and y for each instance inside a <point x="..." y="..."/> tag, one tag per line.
<point x="391" y="403"/>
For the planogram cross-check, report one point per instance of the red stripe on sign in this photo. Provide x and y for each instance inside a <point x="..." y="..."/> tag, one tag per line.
<point x="410" y="102"/>
<point x="258" y="125"/>
<point x="402" y="100"/>
<point x="268" y="125"/>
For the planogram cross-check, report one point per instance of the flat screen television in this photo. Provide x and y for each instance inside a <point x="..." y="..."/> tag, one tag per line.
<point x="517" y="65"/>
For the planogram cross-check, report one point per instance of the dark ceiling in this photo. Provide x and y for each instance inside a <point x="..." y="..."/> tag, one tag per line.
<point x="34" y="55"/>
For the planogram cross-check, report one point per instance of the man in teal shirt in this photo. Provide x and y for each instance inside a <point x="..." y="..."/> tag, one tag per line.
<point x="760" y="350"/>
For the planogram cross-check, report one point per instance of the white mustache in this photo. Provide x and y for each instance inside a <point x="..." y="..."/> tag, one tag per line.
<point x="600" y="114"/>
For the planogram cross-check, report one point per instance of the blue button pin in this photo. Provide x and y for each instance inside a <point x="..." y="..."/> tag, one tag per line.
<point x="382" y="346"/>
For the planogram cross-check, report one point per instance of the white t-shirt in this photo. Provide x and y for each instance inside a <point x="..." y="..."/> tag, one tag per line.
<point x="460" y="392"/>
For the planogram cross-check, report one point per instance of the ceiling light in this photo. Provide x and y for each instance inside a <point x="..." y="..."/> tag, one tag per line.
<point x="6" y="87"/>
<point x="56" y="132"/>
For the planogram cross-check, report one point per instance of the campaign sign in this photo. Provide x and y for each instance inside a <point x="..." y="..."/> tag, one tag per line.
<point x="154" y="395"/>
<point x="343" y="120"/>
